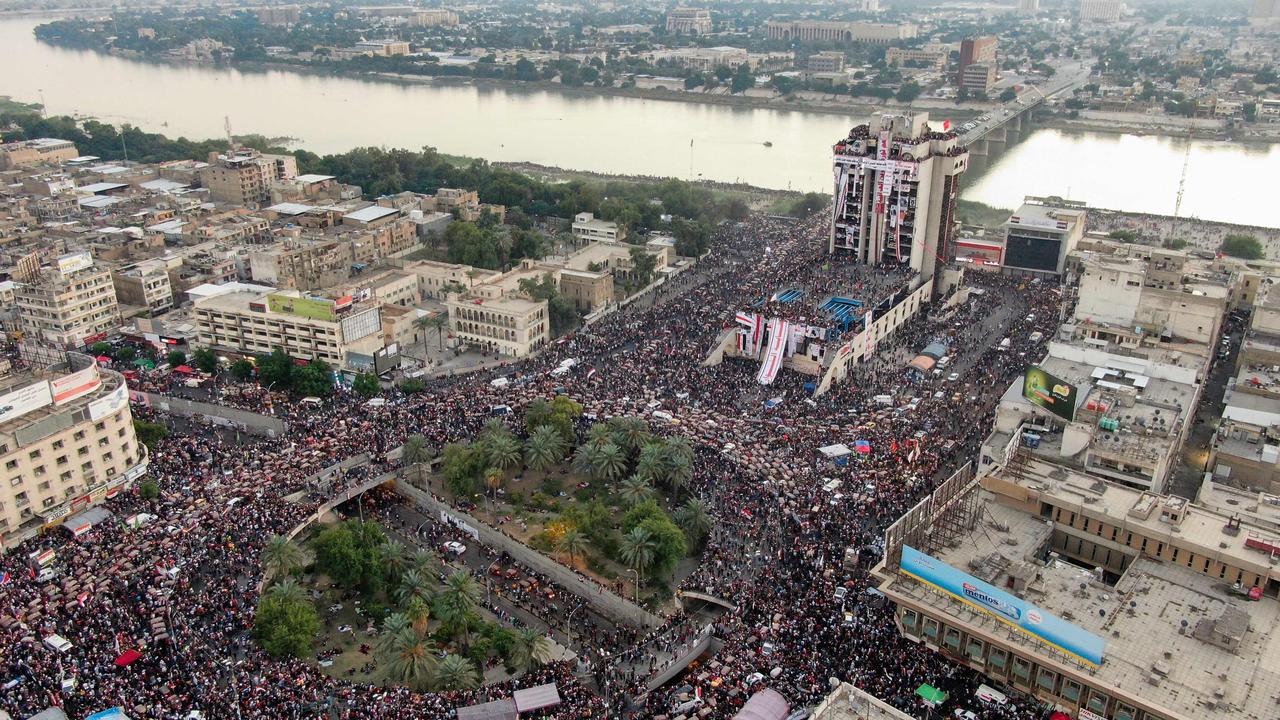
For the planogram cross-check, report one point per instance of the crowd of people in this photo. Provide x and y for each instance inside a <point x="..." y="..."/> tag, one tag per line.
<point x="183" y="587"/>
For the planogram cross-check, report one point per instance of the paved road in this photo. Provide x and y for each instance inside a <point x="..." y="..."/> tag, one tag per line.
<point x="1068" y="78"/>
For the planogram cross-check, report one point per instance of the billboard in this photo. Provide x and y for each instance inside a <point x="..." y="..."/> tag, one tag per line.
<point x="314" y="308"/>
<point x="77" y="384"/>
<point x="112" y="403"/>
<point x="75" y="262"/>
<point x="24" y="400"/>
<point x="1042" y="389"/>
<point x="1012" y="611"/>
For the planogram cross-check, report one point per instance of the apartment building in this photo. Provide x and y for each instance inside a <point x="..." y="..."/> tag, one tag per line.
<point x="1117" y="304"/>
<point x="826" y="61"/>
<point x="244" y="176"/>
<point x="835" y="31"/>
<point x="434" y="18"/>
<point x="145" y="284"/>
<point x="497" y="316"/>
<point x="305" y="326"/>
<point x="25" y="153"/>
<point x="279" y="14"/>
<point x="975" y="51"/>
<point x="1100" y="600"/>
<point x="586" y="228"/>
<point x="1041" y="234"/>
<point x="1101" y="10"/>
<point x="977" y="78"/>
<point x="304" y="264"/>
<point x="689" y="21"/>
<point x="383" y="48"/>
<point x="897" y="182"/>
<point x="70" y="304"/>
<point x="1246" y="449"/>
<point x="934" y="57"/>
<point x="66" y="442"/>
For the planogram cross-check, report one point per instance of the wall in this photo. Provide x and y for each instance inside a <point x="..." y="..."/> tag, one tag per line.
<point x="217" y="414"/>
<point x="601" y="599"/>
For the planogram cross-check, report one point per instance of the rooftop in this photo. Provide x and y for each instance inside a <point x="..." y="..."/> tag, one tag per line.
<point x="369" y="214"/>
<point x="1174" y="637"/>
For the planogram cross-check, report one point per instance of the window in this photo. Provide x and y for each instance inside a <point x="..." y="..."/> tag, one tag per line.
<point x="99" y="426"/>
<point x="910" y="620"/>
<point x="1022" y="670"/>
<point x="1071" y="690"/>
<point x="78" y="436"/>
<point x="82" y="451"/>
<point x="974" y="650"/>
<point x="997" y="659"/>
<point x="931" y="629"/>
<point x="33" y="454"/>
<point x="1097" y="702"/>
<point x="1124" y="712"/>
<point x="11" y="465"/>
<point x="952" y="640"/>
<point x="1046" y="679"/>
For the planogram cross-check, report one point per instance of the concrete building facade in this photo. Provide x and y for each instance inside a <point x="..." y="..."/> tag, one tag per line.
<point x="70" y="305"/>
<point x="689" y="21"/>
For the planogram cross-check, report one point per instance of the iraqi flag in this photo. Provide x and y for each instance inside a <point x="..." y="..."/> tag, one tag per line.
<point x="946" y="125"/>
<point x="591" y="373"/>
<point x="5" y="578"/>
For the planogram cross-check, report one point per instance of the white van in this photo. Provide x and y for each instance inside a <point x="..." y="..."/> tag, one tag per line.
<point x="662" y="415"/>
<point x="499" y="382"/>
<point x="59" y="643"/>
<point x="944" y="361"/>
<point x="312" y="401"/>
<point x="561" y="370"/>
<point x="883" y="400"/>
<point x="1005" y="343"/>
<point x="988" y="694"/>
<point x="1036" y="336"/>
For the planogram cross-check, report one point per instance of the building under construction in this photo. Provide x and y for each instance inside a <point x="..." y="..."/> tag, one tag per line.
<point x="896" y="185"/>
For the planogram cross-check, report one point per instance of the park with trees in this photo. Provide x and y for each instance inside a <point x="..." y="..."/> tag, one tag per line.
<point x="362" y="605"/>
<point x="610" y="499"/>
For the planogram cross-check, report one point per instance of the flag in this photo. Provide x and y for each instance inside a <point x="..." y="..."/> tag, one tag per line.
<point x="690" y="142"/>
<point x="946" y="125"/>
<point x="591" y="372"/>
<point x="5" y="578"/>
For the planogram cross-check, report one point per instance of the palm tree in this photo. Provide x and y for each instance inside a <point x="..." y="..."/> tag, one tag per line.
<point x="392" y="626"/>
<point x="503" y="451"/>
<point x="544" y="449"/>
<point x="411" y="659"/>
<point x="287" y="591"/>
<point x="610" y="462"/>
<point x="530" y="649"/>
<point x="493" y="479"/>
<point x="679" y="472"/>
<point x="599" y="434"/>
<point x="414" y="584"/>
<point x="282" y="556"/>
<point x="416" y="452"/>
<point x="573" y="543"/>
<point x="634" y="490"/>
<point x="633" y="433"/>
<point x="419" y="614"/>
<point x="679" y="447"/>
<point x="394" y="560"/>
<point x="455" y="672"/>
<point x="456" y="603"/>
<point x="423" y="561"/>
<point x="438" y="322"/>
<point x="652" y="464"/>
<point x="637" y="550"/>
<point x="584" y="462"/>
<point x="692" y="517"/>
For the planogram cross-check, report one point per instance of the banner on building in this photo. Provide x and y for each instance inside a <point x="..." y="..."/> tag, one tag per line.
<point x="76" y="385"/>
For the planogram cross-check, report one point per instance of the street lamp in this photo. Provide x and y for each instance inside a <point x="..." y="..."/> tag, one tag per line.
<point x="637" y="583"/>
<point x="568" y="624"/>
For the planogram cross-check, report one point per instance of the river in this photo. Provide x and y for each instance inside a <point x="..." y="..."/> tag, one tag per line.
<point x="623" y="135"/>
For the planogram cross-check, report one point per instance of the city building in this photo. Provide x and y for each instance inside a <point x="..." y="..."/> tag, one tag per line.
<point x="1120" y="306"/>
<point x="826" y="61"/>
<point x="689" y="21"/>
<point x="1040" y="234"/>
<point x="279" y="14"/>
<point x="341" y="331"/>
<point x="25" y="153"/>
<point x="1097" y="599"/>
<point x="975" y="51"/>
<point x="928" y="56"/>
<point x="382" y="48"/>
<point x="66" y="442"/>
<point x="1101" y="10"/>
<point x="897" y="180"/>
<point x="978" y="78"/>
<point x="586" y="228"/>
<point x="834" y="31"/>
<point x="434" y="18"/>
<point x="497" y="316"/>
<point x="70" y="304"/>
<point x="1246" y="450"/>
<point x="848" y="702"/>
<point x="244" y="176"/>
<point x="145" y="284"/>
<point x="866" y="5"/>
<point x="702" y="59"/>
<point x="1029" y="6"/>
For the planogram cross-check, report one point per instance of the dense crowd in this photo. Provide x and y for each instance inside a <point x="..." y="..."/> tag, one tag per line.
<point x="184" y="586"/>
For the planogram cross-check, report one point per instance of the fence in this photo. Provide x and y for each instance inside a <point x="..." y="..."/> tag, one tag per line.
<point x="249" y="422"/>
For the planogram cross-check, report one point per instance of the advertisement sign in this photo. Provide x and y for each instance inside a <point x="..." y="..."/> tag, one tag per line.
<point x="1012" y="611"/>
<point x="314" y="308"/>
<point x="75" y="262"/>
<point x="109" y="405"/>
<point x="77" y="384"/>
<point x="24" y="400"/>
<point x="1046" y="391"/>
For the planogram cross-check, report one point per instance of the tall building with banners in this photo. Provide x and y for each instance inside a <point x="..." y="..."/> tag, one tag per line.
<point x="896" y="184"/>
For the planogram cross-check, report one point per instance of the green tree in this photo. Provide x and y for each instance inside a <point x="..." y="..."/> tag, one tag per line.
<point x="544" y="448"/>
<point x="101" y="349"/>
<point x="281" y="556"/>
<point x="461" y="465"/>
<point x="693" y="519"/>
<point x="276" y="370"/>
<point x="643" y="264"/>
<point x="287" y="590"/>
<point x="148" y="490"/>
<point x="350" y="554"/>
<point x="416" y="453"/>
<point x="1008" y="95"/>
<point x="205" y="360"/>
<point x="1242" y="246"/>
<point x="366" y="385"/>
<point x="392" y="625"/>
<point x="415" y="584"/>
<point x="560" y="414"/>
<point x="314" y="379"/>
<point x="126" y="354"/>
<point x="149" y="433"/>
<point x="286" y="627"/>
<point x="176" y="358"/>
<point x="502" y="451"/>
<point x="395" y="560"/>
<point x="669" y="543"/>
<point x="436" y="321"/>
<point x="411" y="659"/>
<point x="455" y="672"/>
<point x="572" y="543"/>
<point x="608" y="462"/>
<point x="637" y="551"/>
<point x="634" y="490"/>
<point x="530" y="649"/>
<point x="242" y="370"/>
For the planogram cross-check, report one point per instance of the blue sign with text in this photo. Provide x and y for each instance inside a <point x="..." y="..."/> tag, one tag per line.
<point x="1013" y="611"/>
